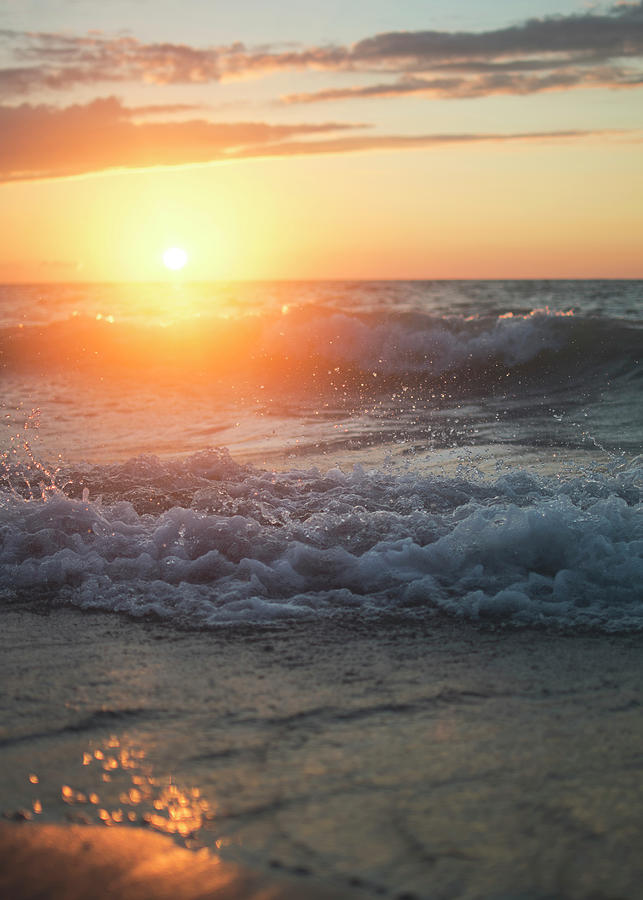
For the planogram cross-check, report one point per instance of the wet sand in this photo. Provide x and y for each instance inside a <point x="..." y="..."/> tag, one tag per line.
<point x="75" y="862"/>
<point x="434" y="760"/>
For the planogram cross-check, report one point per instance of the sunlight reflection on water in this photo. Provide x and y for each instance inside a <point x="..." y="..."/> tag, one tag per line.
<point x="116" y="785"/>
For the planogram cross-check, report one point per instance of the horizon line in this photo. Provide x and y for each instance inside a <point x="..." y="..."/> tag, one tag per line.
<point x="315" y="280"/>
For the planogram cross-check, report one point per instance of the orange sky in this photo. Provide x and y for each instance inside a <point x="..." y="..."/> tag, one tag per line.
<point x="401" y="157"/>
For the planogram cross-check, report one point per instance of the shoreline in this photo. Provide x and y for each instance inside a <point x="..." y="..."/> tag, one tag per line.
<point x="441" y="761"/>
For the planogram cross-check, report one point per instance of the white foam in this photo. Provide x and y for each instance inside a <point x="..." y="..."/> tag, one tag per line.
<point x="520" y="550"/>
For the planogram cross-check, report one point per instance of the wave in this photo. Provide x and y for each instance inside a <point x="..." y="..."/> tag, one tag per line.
<point x="204" y="542"/>
<point x="326" y="347"/>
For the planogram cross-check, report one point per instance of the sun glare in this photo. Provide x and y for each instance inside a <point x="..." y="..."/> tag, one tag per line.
<point x="175" y="258"/>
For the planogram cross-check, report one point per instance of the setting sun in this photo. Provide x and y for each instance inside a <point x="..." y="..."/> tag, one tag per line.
<point x="175" y="258"/>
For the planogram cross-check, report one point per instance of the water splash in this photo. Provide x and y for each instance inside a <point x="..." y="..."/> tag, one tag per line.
<point x="22" y="472"/>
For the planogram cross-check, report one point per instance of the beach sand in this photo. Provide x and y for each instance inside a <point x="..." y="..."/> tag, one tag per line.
<point x="432" y="761"/>
<point x="77" y="862"/>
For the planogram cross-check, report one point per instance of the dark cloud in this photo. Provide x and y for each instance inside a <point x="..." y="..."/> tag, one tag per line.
<point x="498" y="82"/>
<point x="557" y="53"/>
<point x="571" y="51"/>
<point x="46" y="142"/>
<point x="618" y="33"/>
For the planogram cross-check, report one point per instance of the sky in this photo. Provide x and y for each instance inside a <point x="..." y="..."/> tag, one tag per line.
<point x="346" y="140"/>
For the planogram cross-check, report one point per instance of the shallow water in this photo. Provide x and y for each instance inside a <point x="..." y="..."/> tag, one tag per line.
<point x="439" y="761"/>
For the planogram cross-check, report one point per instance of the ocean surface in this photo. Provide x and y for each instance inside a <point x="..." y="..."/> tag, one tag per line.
<point x="267" y="453"/>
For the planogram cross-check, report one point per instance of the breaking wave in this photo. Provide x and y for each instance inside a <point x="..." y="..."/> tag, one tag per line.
<point x="204" y="542"/>
<point x="332" y="347"/>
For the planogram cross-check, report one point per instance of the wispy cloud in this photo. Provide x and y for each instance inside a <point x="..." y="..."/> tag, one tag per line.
<point x="499" y="82"/>
<point x="559" y="52"/>
<point x="361" y="144"/>
<point x="43" y="141"/>
<point x="47" y="142"/>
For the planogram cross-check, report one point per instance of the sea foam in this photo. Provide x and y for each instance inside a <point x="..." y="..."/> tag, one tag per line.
<point x="223" y="543"/>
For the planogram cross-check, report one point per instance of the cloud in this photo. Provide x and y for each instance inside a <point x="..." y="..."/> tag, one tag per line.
<point x="359" y="144"/>
<point x="614" y="34"/>
<point x="61" y="61"/>
<point x="595" y="49"/>
<point x="499" y="82"/>
<point x="556" y="53"/>
<point x="161" y="109"/>
<point x="591" y="49"/>
<point x="46" y="142"/>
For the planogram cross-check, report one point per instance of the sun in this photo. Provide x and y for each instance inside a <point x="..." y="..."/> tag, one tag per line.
<point x="175" y="258"/>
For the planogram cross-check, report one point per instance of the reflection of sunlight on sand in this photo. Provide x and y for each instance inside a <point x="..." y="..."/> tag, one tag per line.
<point x="124" y="789"/>
<point x="115" y="786"/>
<point x="74" y="863"/>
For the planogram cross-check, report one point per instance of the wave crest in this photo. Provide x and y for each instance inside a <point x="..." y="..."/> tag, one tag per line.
<point x="318" y="342"/>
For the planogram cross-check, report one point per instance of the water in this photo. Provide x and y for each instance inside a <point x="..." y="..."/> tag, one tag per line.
<point x="336" y="578"/>
<point x="255" y="453"/>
